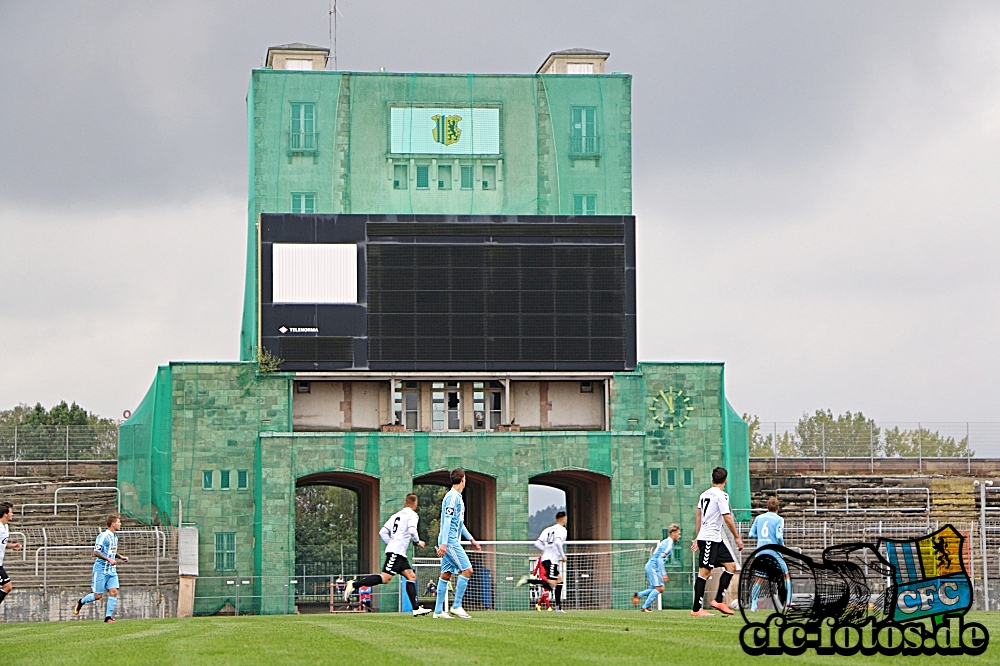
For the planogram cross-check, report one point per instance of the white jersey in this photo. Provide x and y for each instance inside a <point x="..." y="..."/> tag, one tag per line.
<point x="550" y="542"/>
<point x="714" y="504"/>
<point x="400" y="530"/>
<point x="4" y="535"/>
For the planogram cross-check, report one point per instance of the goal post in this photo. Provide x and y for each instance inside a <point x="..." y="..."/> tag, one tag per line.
<point x="598" y="575"/>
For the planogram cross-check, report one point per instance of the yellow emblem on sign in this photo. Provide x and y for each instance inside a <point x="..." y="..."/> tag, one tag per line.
<point x="446" y="129"/>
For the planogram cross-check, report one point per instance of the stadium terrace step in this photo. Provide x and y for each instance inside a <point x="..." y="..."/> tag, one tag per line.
<point x="80" y="502"/>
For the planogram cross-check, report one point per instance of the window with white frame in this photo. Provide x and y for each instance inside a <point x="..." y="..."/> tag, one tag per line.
<point x="303" y="202"/>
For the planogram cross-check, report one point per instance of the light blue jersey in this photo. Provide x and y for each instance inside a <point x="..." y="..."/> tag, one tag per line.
<point x="659" y="557"/>
<point x="107" y="545"/>
<point x="453" y="519"/>
<point x="769" y="529"/>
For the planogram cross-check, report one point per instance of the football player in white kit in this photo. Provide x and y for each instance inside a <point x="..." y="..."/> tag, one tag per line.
<point x="6" y="513"/>
<point x="712" y="512"/>
<point x="398" y="532"/>
<point x="551" y="542"/>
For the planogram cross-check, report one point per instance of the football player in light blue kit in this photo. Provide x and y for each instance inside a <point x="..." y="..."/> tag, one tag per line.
<point x="105" y="574"/>
<point x="769" y="529"/>
<point x="453" y="557"/>
<point x="656" y="574"/>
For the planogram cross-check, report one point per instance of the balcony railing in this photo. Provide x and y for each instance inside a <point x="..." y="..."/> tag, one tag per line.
<point x="585" y="146"/>
<point x="303" y="142"/>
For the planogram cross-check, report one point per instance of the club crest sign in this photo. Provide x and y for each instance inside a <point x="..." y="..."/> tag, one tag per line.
<point x="897" y="596"/>
<point x="446" y="130"/>
<point x="930" y="576"/>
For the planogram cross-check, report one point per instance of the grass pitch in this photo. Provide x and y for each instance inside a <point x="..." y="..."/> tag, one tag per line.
<point x="383" y="638"/>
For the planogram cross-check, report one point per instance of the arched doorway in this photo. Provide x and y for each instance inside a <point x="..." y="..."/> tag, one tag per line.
<point x="367" y="513"/>
<point x="480" y="501"/>
<point x="588" y="502"/>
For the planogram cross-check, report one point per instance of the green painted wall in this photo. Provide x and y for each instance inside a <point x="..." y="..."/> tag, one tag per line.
<point x="349" y="172"/>
<point x="225" y="416"/>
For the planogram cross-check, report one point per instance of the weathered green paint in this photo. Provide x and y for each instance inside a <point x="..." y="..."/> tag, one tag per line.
<point x="349" y="172"/>
<point x="227" y="416"/>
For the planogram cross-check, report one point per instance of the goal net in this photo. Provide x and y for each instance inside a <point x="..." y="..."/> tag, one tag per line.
<point x="597" y="575"/>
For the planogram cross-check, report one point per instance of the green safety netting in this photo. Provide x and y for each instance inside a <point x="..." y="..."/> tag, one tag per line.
<point x="144" y="455"/>
<point x="736" y="450"/>
<point x="454" y="144"/>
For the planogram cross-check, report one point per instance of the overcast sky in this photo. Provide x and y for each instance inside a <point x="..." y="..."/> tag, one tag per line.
<point x="816" y="185"/>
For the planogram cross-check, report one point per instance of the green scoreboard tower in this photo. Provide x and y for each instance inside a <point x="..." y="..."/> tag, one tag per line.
<point x="440" y="273"/>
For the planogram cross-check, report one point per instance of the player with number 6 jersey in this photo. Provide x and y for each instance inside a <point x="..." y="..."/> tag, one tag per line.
<point x="397" y="533"/>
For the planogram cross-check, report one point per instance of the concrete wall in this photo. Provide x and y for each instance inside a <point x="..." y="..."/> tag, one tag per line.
<point x="56" y="604"/>
<point x="340" y="406"/>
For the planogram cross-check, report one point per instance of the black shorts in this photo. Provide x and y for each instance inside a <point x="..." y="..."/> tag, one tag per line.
<point x="713" y="554"/>
<point x="395" y="564"/>
<point x="552" y="570"/>
<point x="4" y="578"/>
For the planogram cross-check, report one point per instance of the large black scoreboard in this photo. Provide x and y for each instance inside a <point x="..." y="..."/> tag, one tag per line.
<point x="448" y="293"/>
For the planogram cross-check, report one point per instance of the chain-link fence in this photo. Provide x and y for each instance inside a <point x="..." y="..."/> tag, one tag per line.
<point x="918" y="442"/>
<point x="26" y="445"/>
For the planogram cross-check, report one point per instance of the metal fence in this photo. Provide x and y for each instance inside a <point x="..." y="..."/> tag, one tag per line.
<point x="27" y="444"/>
<point x="915" y="440"/>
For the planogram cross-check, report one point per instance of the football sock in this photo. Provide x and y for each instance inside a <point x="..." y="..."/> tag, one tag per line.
<point x="371" y="580"/>
<point x="3" y="595"/>
<point x="644" y="593"/>
<point x="559" y="591"/>
<point x="651" y="599"/>
<point x="463" y="583"/>
<point x="699" y="593"/>
<point x="538" y="581"/>
<point x="441" y="592"/>
<point x="88" y="599"/>
<point x="112" y="602"/>
<point x="411" y="592"/>
<point x="754" y="596"/>
<point x="723" y="586"/>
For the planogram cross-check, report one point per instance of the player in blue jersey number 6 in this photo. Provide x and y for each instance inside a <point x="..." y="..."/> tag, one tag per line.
<point x="105" y="573"/>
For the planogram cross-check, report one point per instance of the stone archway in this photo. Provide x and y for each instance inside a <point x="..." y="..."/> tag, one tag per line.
<point x="480" y="501"/>
<point x="588" y="502"/>
<point x="367" y="489"/>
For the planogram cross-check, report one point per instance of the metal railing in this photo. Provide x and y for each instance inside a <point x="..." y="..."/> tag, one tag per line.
<point x="88" y="489"/>
<point x="585" y="145"/>
<point x="303" y="142"/>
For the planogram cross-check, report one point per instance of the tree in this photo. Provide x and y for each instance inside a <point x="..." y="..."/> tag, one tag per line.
<point x="90" y="434"/>
<point x="429" y="498"/>
<point x="326" y="519"/>
<point x="541" y="519"/>
<point x="763" y="445"/>
<point x="924" y="443"/>
<point x="848" y="435"/>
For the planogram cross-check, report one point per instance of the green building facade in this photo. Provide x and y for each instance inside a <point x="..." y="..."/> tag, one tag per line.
<point x="228" y="445"/>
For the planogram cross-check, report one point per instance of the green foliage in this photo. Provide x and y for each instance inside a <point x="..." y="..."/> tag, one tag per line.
<point x="541" y="519"/>
<point x="326" y="519"/>
<point x="851" y="435"/>
<point x="762" y="445"/>
<point x="847" y="435"/>
<point x="267" y="362"/>
<point x="922" y="442"/>
<point x="429" y="498"/>
<point x="60" y="415"/>
<point x="39" y="427"/>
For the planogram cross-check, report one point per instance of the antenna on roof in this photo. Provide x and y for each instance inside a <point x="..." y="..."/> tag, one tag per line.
<point x="332" y="12"/>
